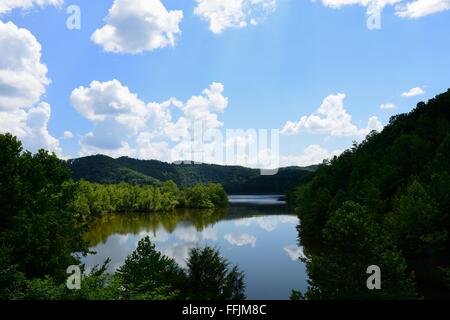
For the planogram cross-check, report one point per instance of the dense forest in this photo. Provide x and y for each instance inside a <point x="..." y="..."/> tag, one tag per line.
<point x="235" y="179"/>
<point x="44" y="215"/>
<point x="384" y="202"/>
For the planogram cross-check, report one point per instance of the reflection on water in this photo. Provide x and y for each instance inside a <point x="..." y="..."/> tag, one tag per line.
<point x="258" y="233"/>
<point x="257" y="200"/>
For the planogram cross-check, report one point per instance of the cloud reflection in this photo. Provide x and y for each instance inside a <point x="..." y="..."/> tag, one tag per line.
<point x="267" y="223"/>
<point x="294" y="252"/>
<point x="241" y="240"/>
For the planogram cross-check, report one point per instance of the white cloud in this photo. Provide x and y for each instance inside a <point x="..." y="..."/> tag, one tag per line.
<point x="373" y="124"/>
<point x="109" y="100"/>
<point x="417" y="91"/>
<point x="241" y="240"/>
<point x="313" y="154"/>
<point x="331" y="118"/>
<point x="23" y="78"/>
<point x="67" y="135"/>
<point x="388" y="105"/>
<point x="135" y="26"/>
<point x="373" y="6"/>
<point x="8" y="5"/>
<point x="405" y="9"/>
<point x="420" y="8"/>
<point x="37" y="132"/>
<point x="224" y="14"/>
<point x="365" y="3"/>
<point x="126" y="125"/>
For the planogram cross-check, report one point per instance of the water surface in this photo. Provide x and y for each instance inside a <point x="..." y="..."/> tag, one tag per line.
<point x="258" y="233"/>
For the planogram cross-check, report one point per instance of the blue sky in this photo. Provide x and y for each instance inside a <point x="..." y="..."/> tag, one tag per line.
<point x="267" y="64"/>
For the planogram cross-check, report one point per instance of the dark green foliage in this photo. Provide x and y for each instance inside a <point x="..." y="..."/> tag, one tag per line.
<point x="235" y="179"/>
<point x="446" y="275"/>
<point x="11" y="280"/>
<point x="296" y="296"/>
<point x="398" y="181"/>
<point x="210" y="277"/>
<point x="97" y="285"/>
<point x="37" y="228"/>
<point x="147" y="273"/>
<point x="353" y="241"/>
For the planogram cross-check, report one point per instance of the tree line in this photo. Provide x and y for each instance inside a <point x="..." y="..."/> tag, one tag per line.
<point x="235" y="179"/>
<point x="44" y="214"/>
<point x="93" y="200"/>
<point x="383" y="202"/>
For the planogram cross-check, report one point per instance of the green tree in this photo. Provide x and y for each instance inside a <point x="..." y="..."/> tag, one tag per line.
<point x="353" y="242"/>
<point x="210" y="276"/>
<point x="37" y="223"/>
<point x="416" y="223"/>
<point x="148" y="273"/>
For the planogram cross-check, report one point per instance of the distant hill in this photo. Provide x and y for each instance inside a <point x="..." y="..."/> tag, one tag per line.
<point x="235" y="179"/>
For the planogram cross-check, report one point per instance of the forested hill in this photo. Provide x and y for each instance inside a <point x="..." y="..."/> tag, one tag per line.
<point x="385" y="202"/>
<point x="235" y="179"/>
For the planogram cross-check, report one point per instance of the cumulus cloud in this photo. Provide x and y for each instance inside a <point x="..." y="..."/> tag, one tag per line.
<point x="67" y="135"/>
<point x="313" y="154"/>
<point x="420" y="8"/>
<point x="224" y="14"/>
<point x="126" y="125"/>
<point x="388" y="105"/>
<point x="37" y="135"/>
<point x="241" y="240"/>
<point x="8" y="5"/>
<point x="331" y="118"/>
<point x="417" y="91"/>
<point x="135" y="26"/>
<point x="373" y="6"/>
<point x="23" y="79"/>
<point x="405" y="9"/>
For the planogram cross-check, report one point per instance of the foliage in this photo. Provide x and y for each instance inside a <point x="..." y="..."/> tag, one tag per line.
<point x="36" y="223"/>
<point x="296" y="296"/>
<point x="210" y="277"/>
<point x="235" y="179"/>
<point x="351" y="232"/>
<point x="398" y="183"/>
<point x="147" y="273"/>
<point x="94" y="200"/>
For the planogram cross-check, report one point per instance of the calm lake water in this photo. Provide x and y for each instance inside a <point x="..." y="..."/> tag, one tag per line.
<point x="258" y="233"/>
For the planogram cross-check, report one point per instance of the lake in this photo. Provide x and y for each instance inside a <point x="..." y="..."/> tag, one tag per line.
<point x="258" y="233"/>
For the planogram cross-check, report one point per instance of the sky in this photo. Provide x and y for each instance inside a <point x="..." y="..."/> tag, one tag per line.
<point x="136" y="77"/>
